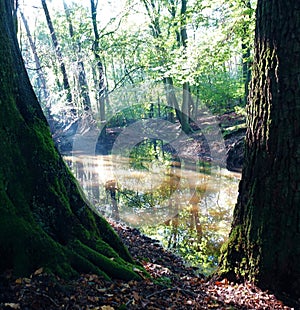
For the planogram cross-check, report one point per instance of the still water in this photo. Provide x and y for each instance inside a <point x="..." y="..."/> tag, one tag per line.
<point x="187" y="206"/>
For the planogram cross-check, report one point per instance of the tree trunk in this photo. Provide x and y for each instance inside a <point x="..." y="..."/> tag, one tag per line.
<point x="45" y="221"/>
<point x="171" y="97"/>
<point x="186" y="98"/>
<point x="153" y="12"/>
<point x="82" y="81"/>
<point x="66" y="83"/>
<point x="40" y="73"/>
<point x="102" y="89"/>
<point x="264" y="243"/>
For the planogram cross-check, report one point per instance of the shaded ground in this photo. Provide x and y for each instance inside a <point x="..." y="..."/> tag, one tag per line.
<point x="172" y="286"/>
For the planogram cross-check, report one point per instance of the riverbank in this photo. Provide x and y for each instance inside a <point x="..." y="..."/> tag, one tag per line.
<point x="231" y="125"/>
<point x="172" y="285"/>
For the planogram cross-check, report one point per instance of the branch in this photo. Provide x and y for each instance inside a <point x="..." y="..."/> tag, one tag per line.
<point x="127" y="74"/>
<point x="34" y="69"/>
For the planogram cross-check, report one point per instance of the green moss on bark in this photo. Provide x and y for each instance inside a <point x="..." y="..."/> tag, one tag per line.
<point x="111" y="265"/>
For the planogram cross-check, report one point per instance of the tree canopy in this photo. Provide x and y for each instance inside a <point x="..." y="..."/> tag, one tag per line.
<point x="157" y="41"/>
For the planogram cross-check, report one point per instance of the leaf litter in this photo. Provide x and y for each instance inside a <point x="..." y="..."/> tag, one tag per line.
<point x="172" y="285"/>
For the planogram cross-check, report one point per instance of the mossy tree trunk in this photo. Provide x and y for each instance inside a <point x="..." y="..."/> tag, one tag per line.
<point x="45" y="221"/>
<point x="264" y="243"/>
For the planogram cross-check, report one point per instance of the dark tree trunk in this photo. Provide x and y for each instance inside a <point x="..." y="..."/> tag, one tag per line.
<point x="186" y="98"/>
<point x="66" y="83"/>
<point x="171" y="97"/>
<point x="102" y="89"/>
<point x="264" y="243"/>
<point x="45" y="221"/>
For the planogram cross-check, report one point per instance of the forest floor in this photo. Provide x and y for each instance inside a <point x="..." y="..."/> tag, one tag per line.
<point x="172" y="285"/>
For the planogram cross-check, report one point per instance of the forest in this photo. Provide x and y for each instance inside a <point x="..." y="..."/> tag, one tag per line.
<point x="150" y="154"/>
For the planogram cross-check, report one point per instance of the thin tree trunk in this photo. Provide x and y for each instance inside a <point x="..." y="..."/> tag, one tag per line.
<point x="102" y="88"/>
<point x="186" y="98"/>
<point x="186" y="107"/>
<point x="83" y="85"/>
<point x="40" y="73"/>
<point x="171" y="97"/>
<point x="57" y="49"/>
<point x="167" y="81"/>
<point x="182" y="112"/>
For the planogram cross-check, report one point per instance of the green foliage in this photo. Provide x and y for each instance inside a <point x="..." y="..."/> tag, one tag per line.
<point x="132" y="52"/>
<point x="220" y="92"/>
<point x="149" y="152"/>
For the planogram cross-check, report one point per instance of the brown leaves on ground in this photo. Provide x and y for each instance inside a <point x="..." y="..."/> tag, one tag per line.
<point x="172" y="286"/>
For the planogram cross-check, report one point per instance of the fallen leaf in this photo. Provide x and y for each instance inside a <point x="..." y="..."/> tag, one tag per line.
<point x="93" y="298"/>
<point x="12" y="305"/>
<point x="107" y="308"/>
<point x="38" y="271"/>
<point x="136" y="296"/>
<point x="101" y="290"/>
<point x="223" y="282"/>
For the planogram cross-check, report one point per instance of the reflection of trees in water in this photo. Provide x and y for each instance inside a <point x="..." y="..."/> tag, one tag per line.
<point x="83" y="167"/>
<point x="111" y="188"/>
<point x="153" y="178"/>
<point x="193" y="221"/>
<point x="198" y="232"/>
<point x="183" y="205"/>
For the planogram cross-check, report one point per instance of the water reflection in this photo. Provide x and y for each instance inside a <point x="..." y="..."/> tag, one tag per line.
<point x="187" y="206"/>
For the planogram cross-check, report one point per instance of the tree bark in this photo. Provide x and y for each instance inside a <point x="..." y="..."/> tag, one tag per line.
<point x="264" y="243"/>
<point x="45" y="220"/>
<point x="186" y="98"/>
<point x="66" y="83"/>
<point x="81" y="75"/>
<point x="40" y="73"/>
<point x="102" y="89"/>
